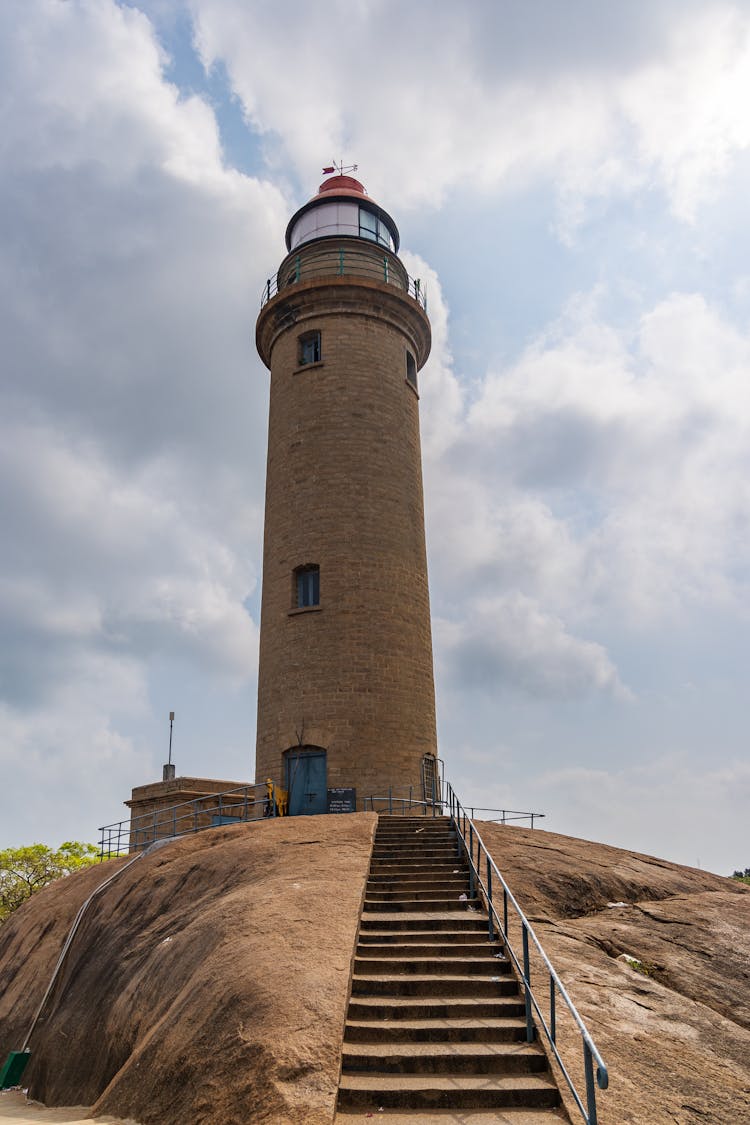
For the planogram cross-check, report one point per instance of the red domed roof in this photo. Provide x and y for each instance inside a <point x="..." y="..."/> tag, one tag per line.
<point x="339" y="183"/>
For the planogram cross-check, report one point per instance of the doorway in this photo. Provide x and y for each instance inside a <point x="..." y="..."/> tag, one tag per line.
<point x="306" y="780"/>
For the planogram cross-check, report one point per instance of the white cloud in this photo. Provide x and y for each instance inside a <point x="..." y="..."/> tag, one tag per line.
<point x="668" y="803"/>
<point x="133" y="411"/>
<point x="605" y="473"/>
<point x="494" y="96"/>
<point x="509" y="642"/>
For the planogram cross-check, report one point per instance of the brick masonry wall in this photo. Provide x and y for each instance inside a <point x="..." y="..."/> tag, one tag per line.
<point x="344" y="491"/>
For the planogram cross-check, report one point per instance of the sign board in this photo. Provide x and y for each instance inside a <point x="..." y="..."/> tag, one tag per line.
<point x="342" y="800"/>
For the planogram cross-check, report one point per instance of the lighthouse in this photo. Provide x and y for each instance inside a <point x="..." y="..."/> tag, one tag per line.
<point x="346" y="698"/>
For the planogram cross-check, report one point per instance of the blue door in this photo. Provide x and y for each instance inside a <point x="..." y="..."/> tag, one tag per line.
<point x="306" y="780"/>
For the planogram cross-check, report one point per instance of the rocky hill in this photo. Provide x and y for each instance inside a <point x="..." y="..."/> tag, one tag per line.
<point x="208" y="984"/>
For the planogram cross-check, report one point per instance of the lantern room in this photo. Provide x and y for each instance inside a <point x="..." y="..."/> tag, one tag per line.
<point x="342" y="208"/>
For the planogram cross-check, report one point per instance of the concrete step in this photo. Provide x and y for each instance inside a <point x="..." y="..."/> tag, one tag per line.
<point x="398" y="1008"/>
<point x="432" y="966"/>
<point x="436" y="985"/>
<point x="419" y="881"/>
<point x="416" y="839"/>
<point x="431" y="949"/>
<point x="431" y="903"/>
<point x="392" y="855"/>
<point x="444" y="1058"/>
<point x="439" y="890"/>
<point x="509" y="1116"/>
<point x="434" y="921"/>
<point x="380" y="872"/>
<point x="469" y="936"/>
<point x="455" y="1029"/>
<point x="395" y="1091"/>
<point x="419" y="820"/>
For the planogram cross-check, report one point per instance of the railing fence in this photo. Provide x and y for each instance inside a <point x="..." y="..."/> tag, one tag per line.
<point x="548" y="1001"/>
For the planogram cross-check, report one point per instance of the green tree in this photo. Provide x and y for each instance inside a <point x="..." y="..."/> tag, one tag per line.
<point x="25" y="870"/>
<point x="743" y="876"/>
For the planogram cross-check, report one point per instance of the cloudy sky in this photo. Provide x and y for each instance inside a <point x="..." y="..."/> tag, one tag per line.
<point x="571" y="183"/>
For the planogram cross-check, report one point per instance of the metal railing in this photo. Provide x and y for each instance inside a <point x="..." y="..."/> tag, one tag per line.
<point x="506" y="917"/>
<point x="344" y="261"/>
<point x="507" y="816"/>
<point x="399" y="801"/>
<point x="394" y="805"/>
<point x="233" y="806"/>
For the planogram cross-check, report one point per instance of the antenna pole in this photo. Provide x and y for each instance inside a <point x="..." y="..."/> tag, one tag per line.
<point x="168" y="771"/>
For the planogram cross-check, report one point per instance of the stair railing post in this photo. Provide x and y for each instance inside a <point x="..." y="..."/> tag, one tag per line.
<point x="390" y="787"/>
<point x="527" y="985"/>
<point x="588" y="1065"/>
<point x="552" y="1010"/>
<point x="490" y="922"/>
<point x="472" y="886"/>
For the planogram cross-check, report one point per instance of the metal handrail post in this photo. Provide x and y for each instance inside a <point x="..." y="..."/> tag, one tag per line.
<point x="588" y="1066"/>
<point x="527" y="984"/>
<point x="490" y="913"/>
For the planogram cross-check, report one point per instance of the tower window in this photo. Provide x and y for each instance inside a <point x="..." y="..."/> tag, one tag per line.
<point x="411" y="370"/>
<point x="306" y="587"/>
<point x="309" y="348"/>
<point x="370" y="226"/>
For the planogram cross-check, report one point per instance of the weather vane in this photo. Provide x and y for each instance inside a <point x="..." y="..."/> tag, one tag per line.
<point x="341" y="168"/>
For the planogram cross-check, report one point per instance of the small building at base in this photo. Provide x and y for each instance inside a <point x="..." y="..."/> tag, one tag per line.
<point x="183" y="804"/>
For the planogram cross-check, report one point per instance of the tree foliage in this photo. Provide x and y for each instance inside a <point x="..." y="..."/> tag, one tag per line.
<point x="26" y="870"/>
<point x="743" y="876"/>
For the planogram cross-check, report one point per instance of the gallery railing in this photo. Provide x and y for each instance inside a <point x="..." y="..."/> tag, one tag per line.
<point x="340" y="261"/>
<point x="233" y="806"/>
<point x="548" y="1001"/>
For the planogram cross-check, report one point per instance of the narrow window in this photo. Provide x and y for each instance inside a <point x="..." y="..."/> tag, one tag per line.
<point x="411" y="370"/>
<point x="309" y="348"/>
<point x="368" y="225"/>
<point x="307" y="586"/>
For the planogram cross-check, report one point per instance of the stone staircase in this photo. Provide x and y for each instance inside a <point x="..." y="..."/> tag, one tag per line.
<point x="435" y="1027"/>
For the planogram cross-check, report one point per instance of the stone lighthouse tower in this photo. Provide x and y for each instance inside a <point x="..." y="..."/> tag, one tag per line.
<point x="346" y="698"/>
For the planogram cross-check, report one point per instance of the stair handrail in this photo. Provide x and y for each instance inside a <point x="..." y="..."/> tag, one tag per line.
<point x="460" y="818"/>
